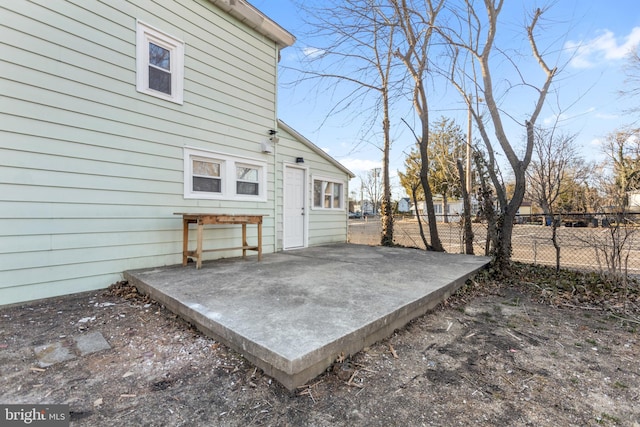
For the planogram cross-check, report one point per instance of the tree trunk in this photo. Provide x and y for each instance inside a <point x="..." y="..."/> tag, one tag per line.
<point x="485" y="196"/>
<point x="506" y="219"/>
<point x="415" y="203"/>
<point x="436" y="245"/>
<point x="386" y="211"/>
<point x="466" y="215"/>
<point x="554" y="239"/>
<point x="502" y="252"/>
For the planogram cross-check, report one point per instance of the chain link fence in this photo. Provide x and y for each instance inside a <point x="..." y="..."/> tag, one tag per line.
<point x="595" y="242"/>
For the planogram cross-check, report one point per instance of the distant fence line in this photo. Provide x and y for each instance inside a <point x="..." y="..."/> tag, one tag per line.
<point x="588" y="242"/>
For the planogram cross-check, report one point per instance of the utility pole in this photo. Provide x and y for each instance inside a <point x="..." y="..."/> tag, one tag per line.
<point x="469" y="150"/>
<point x="361" y="198"/>
<point x="468" y="168"/>
<point x="376" y="172"/>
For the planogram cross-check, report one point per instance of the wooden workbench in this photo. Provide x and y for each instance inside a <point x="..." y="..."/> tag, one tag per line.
<point x="202" y="219"/>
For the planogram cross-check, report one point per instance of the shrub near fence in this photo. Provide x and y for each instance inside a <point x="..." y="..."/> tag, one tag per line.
<point x="596" y="242"/>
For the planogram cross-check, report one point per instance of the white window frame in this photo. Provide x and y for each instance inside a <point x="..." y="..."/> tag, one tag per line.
<point x="250" y="166"/>
<point x="227" y="175"/>
<point x="146" y="34"/>
<point x="326" y="180"/>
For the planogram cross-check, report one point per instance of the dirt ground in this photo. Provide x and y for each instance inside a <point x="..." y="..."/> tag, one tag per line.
<point x="491" y="355"/>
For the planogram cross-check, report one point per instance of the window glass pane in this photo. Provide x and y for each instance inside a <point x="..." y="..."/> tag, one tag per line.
<point x="317" y="194"/>
<point x="327" y="194"/>
<point x="337" y="192"/>
<point x="159" y="80"/>
<point x="247" y="188"/>
<point x="247" y="174"/>
<point x="159" y="56"/>
<point x="206" y="168"/>
<point x="209" y="185"/>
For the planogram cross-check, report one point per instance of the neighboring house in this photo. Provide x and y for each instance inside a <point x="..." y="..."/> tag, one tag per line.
<point x="526" y="208"/>
<point x="404" y="205"/>
<point x="368" y="207"/>
<point x="633" y="204"/>
<point x="115" y="115"/>
<point x="453" y="211"/>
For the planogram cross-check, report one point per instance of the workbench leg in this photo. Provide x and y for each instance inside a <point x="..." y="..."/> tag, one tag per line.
<point x="244" y="241"/>
<point x="199" y="247"/>
<point x="259" y="241"/>
<point x="185" y="241"/>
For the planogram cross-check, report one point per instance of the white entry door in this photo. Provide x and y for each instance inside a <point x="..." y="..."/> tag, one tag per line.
<point x="294" y="207"/>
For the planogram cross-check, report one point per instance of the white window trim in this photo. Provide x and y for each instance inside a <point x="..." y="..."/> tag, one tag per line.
<point x="227" y="175"/>
<point x="327" y="179"/>
<point x="144" y="34"/>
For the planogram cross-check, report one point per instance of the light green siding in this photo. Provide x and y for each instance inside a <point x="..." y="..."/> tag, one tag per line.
<point x="324" y="226"/>
<point x="91" y="171"/>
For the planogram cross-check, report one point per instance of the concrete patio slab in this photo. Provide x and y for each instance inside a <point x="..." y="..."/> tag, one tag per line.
<point x="295" y="312"/>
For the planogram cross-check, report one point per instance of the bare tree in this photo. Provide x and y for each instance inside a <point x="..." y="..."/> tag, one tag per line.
<point x="417" y="21"/>
<point x="614" y="245"/>
<point x="358" y="55"/>
<point x="373" y="187"/>
<point x="555" y="169"/>
<point x="632" y="82"/>
<point x="473" y="47"/>
<point x="622" y="148"/>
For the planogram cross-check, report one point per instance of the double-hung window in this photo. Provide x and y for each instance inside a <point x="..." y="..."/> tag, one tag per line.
<point x="327" y="194"/>
<point x="159" y="63"/>
<point x="206" y="175"/>
<point x="212" y="175"/>
<point x="247" y="179"/>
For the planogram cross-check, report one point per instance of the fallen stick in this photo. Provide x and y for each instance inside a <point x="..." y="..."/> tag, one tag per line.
<point x="625" y="319"/>
<point x="583" y="308"/>
<point x="393" y="352"/>
<point x="509" y="333"/>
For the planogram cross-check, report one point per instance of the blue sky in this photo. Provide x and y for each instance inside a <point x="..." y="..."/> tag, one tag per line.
<point x="590" y="37"/>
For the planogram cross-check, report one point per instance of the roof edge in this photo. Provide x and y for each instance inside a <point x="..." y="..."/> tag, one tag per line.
<point x="314" y="147"/>
<point x="252" y="17"/>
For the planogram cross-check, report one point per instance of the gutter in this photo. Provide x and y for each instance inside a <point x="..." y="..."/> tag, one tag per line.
<point x="253" y="18"/>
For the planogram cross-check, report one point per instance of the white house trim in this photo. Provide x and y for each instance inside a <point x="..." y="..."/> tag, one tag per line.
<point x="146" y="35"/>
<point x="227" y="175"/>
<point x="253" y="18"/>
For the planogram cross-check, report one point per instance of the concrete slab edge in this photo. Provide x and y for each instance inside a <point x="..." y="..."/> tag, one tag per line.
<point x="292" y="374"/>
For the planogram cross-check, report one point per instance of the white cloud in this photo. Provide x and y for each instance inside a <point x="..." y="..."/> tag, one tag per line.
<point x="312" y="52"/>
<point x="597" y="142"/>
<point x="360" y="165"/>
<point x="605" y="47"/>
<point x="607" y="116"/>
